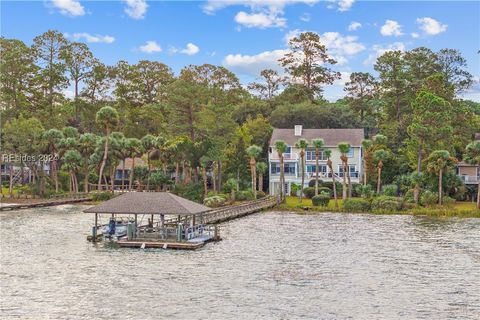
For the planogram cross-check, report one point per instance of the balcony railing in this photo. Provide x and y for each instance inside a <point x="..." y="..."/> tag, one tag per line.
<point x="470" y="179"/>
<point x="286" y="156"/>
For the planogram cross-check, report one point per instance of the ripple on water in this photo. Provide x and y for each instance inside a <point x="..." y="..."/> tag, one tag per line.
<point x="269" y="266"/>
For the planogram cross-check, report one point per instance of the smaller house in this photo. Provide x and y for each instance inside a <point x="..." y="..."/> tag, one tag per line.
<point x="123" y="172"/>
<point x="469" y="173"/>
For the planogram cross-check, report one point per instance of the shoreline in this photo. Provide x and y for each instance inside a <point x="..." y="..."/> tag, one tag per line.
<point x="421" y="211"/>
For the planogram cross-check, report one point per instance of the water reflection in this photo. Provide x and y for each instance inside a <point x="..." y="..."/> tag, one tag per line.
<point x="269" y="266"/>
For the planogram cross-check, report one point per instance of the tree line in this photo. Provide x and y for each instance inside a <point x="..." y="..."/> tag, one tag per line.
<point x="202" y="120"/>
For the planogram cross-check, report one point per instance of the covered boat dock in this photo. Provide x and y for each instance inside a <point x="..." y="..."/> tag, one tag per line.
<point x="153" y="220"/>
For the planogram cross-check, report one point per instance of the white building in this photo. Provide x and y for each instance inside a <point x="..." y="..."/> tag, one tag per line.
<point x="332" y="138"/>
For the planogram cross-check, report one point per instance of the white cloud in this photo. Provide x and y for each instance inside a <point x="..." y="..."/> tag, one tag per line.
<point x="354" y="26"/>
<point x="338" y="46"/>
<point x="136" y="9"/>
<point x="341" y="5"/>
<point x="431" y="26"/>
<point x="391" y="28"/>
<point x="253" y="64"/>
<point x="378" y="50"/>
<point x="341" y="46"/>
<point x="264" y="13"/>
<point x="305" y="17"/>
<point x="272" y="5"/>
<point x="259" y="20"/>
<point x="69" y="7"/>
<point x="92" y="38"/>
<point x="414" y="35"/>
<point x="190" y="49"/>
<point x="150" y="47"/>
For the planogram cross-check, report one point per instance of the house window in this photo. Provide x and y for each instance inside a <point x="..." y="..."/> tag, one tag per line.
<point x="322" y="169"/>
<point x="352" y="168"/>
<point x="289" y="168"/>
<point x="310" y="155"/>
<point x="350" y="153"/>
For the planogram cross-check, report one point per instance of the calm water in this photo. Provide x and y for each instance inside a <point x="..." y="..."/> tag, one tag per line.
<point x="269" y="266"/>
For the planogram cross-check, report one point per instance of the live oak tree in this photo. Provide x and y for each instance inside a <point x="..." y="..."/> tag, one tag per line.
<point x="307" y="62"/>
<point x="52" y="138"/>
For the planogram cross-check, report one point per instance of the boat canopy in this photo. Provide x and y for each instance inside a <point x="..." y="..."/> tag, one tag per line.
<point x="149" y="203"/>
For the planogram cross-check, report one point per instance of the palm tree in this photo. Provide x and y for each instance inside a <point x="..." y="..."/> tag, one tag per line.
<point x="472" y="156"/>
<point x="281" y="148"/>
<point x="302" y="144"/>
<point x="262" y="168"/>
<point x="72" y="163"/>
<point x="344" y="150"/>
<point x="366" y="145"/>
<point x="135" y="149"/>
<point x="86" y="146"/>
<point x="53" y="137"/>
<point x="253" y="152"/>
<point x="318" y="144"/>
<point x="149" y="143"/>
<point x="328" y="155"/>
<point x="437" y="162"/>
<point x="108" y="118"/>
<point x="379" y="156"/>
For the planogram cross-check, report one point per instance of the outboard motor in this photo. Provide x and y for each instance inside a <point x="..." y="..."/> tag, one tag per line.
<point x="111" y="227"/>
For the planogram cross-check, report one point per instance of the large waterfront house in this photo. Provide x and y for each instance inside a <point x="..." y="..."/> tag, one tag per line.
<point x="332" y="137"/>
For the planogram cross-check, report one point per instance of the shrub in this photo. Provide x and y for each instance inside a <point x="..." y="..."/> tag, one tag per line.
<point x="294" y="188"/>
<point x="354" y="189"/>
<point x="325" y="190"/>
<point x="387" y="203"/>
<point x="192" y="191"/>
<point x="309" y="192"/>
<point x="214" y="201"/>
<point x="244" y="195"/>
<point x="321" y="200"/>
<point x="329" y="185"/>
<point x="102" y="196"/>
<point x="448" y="201"/>
<point x="364" y="191"/>
<point x="390" y="190"/>
<point x="428" y="198"/>
<point x="261" y="194"/>
<point x="356" y="205"/>
<point x="311" y="183"/>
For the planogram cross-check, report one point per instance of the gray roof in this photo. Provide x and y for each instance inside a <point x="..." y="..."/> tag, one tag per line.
<point x="149" y="203"/>
<point x="332" y="137"/>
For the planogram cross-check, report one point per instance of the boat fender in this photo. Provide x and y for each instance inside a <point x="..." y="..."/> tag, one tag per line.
<point x="142" y="246"/>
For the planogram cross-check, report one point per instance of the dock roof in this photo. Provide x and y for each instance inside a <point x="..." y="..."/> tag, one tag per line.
<point x="149" y="203"/>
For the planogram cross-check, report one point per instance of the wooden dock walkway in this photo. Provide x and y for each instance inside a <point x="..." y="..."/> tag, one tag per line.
<point x="236" y="211"/>
<point x="54" y="201"/>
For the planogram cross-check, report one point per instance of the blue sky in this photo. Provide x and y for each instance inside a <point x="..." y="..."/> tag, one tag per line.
<point x="248" y="36"/>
